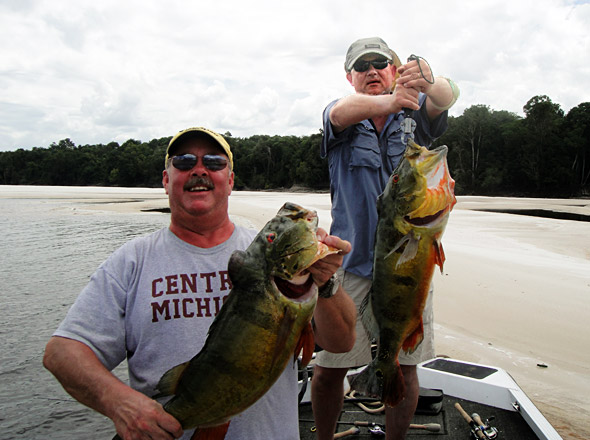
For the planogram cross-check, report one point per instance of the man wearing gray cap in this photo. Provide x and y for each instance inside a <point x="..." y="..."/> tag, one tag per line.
<point x="153" y="300"/>
<point x="363" y="143"/>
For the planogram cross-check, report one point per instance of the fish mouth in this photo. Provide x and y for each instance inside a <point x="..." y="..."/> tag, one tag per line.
<point x="439" y="193"/>
<point x="427" y="220"/>
<point x="299" y="288"/>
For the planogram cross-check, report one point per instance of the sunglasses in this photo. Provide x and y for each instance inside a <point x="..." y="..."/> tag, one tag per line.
<point x="363" y="66"/>
<point x="186" y="162"/>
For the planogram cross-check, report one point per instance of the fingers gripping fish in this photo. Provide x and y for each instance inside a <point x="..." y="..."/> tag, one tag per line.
<point x="264" y="323"/>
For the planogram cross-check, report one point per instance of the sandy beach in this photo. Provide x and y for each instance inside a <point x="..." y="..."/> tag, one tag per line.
<point x="514" y="292"/>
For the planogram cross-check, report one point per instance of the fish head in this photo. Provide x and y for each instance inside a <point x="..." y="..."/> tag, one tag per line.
<point x="292" y="242"/>
<point x="286" y="246"/>
<point x="423" y="189"/>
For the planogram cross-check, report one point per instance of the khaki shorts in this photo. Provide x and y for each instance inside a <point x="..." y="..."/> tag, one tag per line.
<point x="357" y="288"/>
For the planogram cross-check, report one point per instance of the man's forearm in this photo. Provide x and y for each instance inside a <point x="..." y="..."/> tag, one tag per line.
<point x="335" y="320"/>
<point x="442" y="95"/>
<point x="85" y="378"/>
<point x="82" y="374"/>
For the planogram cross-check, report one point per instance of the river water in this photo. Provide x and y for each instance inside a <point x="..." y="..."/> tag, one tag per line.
<point x="53" y="239"/>
<point x="50" y="247"/>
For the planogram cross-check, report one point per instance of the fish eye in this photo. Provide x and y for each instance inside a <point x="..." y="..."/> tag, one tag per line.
<point x="395" y="178"/>
<point x="270" y="237"/>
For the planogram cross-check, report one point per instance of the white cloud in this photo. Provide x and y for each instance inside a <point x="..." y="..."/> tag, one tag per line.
<point x="114" y="70"/>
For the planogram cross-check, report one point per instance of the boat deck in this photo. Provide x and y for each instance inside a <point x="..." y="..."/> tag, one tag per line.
<point x="488" y="391"/>
<point x="510" y="424"/>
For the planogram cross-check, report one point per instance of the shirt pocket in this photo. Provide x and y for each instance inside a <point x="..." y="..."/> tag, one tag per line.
<point x="365" y="150"/>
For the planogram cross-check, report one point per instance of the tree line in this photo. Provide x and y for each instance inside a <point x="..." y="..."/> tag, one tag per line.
<point x="544" y="154"/>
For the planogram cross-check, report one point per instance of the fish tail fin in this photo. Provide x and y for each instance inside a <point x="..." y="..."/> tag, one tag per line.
<point x="414" y="339"/>
<point x="385" y="383"/>
<point x="306" y="342"/>
<point x="211" y="433"/>
<point x="368" y="382"/>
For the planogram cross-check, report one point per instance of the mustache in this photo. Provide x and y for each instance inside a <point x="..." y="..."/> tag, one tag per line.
<point x="199" y="181"/>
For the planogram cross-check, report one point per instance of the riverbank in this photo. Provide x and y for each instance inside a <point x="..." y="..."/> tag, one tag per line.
<point x="514" y="292"/>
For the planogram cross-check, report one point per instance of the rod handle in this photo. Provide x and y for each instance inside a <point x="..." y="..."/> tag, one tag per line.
<point x="432" y="427"/>
<point x="469" y="420"/>
<point x="477" y="419"/>
<point x="351" y="431"/>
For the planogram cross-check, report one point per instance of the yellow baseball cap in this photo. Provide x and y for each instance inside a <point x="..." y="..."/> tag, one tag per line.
<point x="189" y="132"/>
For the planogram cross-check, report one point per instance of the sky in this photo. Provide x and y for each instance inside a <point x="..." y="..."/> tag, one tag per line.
<point x="114" y="70"/>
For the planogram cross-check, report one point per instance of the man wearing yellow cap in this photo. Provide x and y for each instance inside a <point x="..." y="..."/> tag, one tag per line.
<point x="153" y="300"/>
<point x="363" y="143"/>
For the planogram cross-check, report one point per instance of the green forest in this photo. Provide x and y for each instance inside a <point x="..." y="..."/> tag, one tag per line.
<point x="546" y="153"/>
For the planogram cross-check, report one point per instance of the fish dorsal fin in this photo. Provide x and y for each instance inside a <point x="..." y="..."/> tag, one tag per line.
<point x="368" y="318"/>
<point x="169" y="380"/>
<point x="307" y="343"/>
<point x="211" y="433"/>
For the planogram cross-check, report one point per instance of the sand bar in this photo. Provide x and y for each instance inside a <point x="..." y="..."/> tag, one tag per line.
<point x="514" y="292"/>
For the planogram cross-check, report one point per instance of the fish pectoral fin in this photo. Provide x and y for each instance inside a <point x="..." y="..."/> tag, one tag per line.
<point x="399" y="244"/>
<point x="307" y="343"/>
<point x="439" y="254"/>
<point x="211" y="433"/>
<point x="414" y="339"/>
<point x="169" y="380"/>
<point x="410" y="250"/>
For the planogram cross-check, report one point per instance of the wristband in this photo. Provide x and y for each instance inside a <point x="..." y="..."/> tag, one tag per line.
<point x="456" y="94"/>
<point x="329" y="289"/>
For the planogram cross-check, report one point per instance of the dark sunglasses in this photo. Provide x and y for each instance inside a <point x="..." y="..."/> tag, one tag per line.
<point x="363" y="66"/>
<point x="212" y="162"/>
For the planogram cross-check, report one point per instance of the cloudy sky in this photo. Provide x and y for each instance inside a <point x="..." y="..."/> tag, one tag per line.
<point x="113" y="70"/>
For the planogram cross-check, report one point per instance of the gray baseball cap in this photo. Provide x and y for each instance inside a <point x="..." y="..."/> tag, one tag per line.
<point x="365" y="46"/>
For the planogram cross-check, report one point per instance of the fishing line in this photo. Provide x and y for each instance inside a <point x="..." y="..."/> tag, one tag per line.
<point x="417" y="58"/>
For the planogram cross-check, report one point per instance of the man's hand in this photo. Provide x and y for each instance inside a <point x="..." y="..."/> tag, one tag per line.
<point x="335" y="317"/>
<point x="84" y="377"/>
<point x="138" y="417"/>
<point x="322" y="270"/>
<point x="416" y="76"/>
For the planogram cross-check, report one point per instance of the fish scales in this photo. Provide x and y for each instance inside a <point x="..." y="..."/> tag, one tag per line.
<point x="413" y="212"/>
<point x="258" y="329"/>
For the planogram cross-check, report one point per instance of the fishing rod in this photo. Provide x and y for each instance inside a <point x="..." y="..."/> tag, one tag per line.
<point x="374" y="428"/>
<point x="408" y="125"/>
<point x="479" y="430"/>
<point x="489" y="431"/>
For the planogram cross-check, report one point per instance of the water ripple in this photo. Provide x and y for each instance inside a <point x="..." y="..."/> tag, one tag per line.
<point x="48" y="254"/>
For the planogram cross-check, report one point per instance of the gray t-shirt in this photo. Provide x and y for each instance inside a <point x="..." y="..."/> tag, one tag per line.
<point x="152" y="302"/>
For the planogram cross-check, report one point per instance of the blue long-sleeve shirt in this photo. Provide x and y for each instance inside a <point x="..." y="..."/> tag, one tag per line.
<point x="360" y="162"/>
